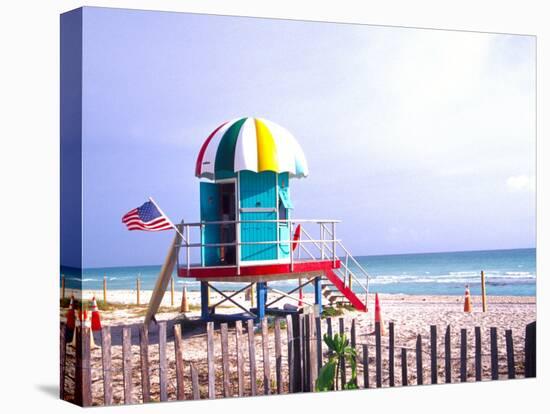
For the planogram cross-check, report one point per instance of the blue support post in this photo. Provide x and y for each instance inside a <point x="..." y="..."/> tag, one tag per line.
<point x="261" y="296"/>
<point x="318" y="294"/>
<point x="205" y="314"/>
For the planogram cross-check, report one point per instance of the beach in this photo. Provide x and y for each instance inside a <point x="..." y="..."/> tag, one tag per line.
<point x="411" y="315"/>
<point x="404" y="310"/>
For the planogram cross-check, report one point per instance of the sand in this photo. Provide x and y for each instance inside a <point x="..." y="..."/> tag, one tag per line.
<point x="411" y="315"/>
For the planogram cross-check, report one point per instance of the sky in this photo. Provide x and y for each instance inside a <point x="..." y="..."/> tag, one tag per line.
<point x="418" y="140"/>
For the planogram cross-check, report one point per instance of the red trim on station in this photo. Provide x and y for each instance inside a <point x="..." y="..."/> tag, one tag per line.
<point x="259" y="270"/>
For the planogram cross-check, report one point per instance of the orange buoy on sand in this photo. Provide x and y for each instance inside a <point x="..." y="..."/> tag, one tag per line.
<point x="378" y="314"/>
<point x="467" y="300"/>
<point x="96" y="320"/>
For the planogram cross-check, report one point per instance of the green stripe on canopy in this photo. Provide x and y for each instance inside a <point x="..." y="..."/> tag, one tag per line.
<point x="225" y="154"/>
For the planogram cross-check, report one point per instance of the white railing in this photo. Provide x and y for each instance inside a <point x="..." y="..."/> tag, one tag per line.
<point x="325" y="247"/>
<point x="332" y="245"/>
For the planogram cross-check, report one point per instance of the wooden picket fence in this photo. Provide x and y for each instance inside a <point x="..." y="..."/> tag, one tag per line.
<point x="296" y="362"/>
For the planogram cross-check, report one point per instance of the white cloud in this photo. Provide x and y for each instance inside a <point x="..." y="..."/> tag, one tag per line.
<point x="521" y="183"/>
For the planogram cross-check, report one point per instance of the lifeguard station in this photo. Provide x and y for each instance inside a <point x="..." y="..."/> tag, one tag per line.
<point x="247" y="232"/>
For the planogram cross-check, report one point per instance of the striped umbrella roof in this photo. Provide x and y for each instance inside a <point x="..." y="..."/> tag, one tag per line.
<point x="252" y="144"/>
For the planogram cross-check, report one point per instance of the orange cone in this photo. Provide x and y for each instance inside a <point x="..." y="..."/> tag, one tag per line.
<point x="82" y="316"/>
<point x="85" y="324"/>
<point x="82" y="322"/>
<point x="78" y="324"/>
<point x="70" y="315"/>
<point x="96" y="320"/>
<point x="378" y="314"/>
<point x="467" y="300"/>
<point x="75" y="330"/>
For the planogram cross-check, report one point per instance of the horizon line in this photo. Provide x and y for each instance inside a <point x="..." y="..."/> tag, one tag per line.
<point x="359" y="255"/>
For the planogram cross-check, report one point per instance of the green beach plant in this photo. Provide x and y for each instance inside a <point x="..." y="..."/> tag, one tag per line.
<point x="331" y="312"/>
<point x="340" y="350"/>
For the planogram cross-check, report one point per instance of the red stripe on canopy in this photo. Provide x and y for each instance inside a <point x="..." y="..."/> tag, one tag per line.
<point x="198" y="165"/>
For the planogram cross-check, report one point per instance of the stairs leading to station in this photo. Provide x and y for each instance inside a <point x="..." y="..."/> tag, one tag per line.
<point x="333" y="283"/>
<point x="342" y="293"/>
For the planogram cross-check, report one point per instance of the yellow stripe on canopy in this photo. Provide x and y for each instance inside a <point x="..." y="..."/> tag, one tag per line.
<point x="267" y="150"/>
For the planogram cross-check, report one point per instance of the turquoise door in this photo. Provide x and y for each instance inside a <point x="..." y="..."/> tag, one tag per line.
<point x="259" y="232"/>
<point x="258" y="201"/>
<point x="284" y="206"/>
<point x="210" y="208"/>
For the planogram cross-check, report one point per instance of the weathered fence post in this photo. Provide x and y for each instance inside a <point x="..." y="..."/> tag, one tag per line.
<point x="392" y="355"/>
<point x="531" y="350"/>
<point x="329" y="326"/>
<point x="299" y="353"/>
<point x="265" y="355"/>
<point x="448" y="366"/>
<point x="184" y="306"/>
<point x="252" y="357"/>
<point x="83" y="371"/>
<point x="106" y="365"/>
<point x="278" y="356"/>
<point x="433" y="353"/>
<point x="290" y="358"/>
<point x="312" y="344"/>
<point x="329" y="331"/>
<point x="163" y="368"/>
<point x="377" y="332"/>
<point x="172" y="291"/>
<point x="138" y="291"/>
<point x="304" y="340"/>
<point x="404" y="373"/>
<point x="195" y="382"/>
<point x="353" y="340"/>
<point x="483" y="294"/>
<point x="366" y="381"/>
<point x="62" y="286"/>
<point x="178" y="349"/>
<point x="478" y="353"/>
<point x="419" y="367"/>
<point x="240" y="359"/>
<point x="127" y="364"/>
<point x="62" y="357"/>
<point x="225" y="360"/>
<point x="319" y="336"/>
<point x="494" y="354"/>
<point x="510" y="354"/>
<point x="305" y="352"/>
<point x="210" y="360"/>
<point x="105" y="289"/>
<point x="144" y="359"/>
<point x="463" y="355"/>
<point x="342" y="360"/>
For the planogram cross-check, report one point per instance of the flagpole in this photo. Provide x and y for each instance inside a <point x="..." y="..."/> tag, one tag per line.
<point x="167" y="218"/>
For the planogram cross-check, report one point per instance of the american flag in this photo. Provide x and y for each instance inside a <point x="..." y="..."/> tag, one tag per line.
<point x="148" y="218"/>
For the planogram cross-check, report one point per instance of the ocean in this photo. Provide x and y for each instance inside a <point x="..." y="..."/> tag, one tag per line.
<point x="508" y="272"/>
